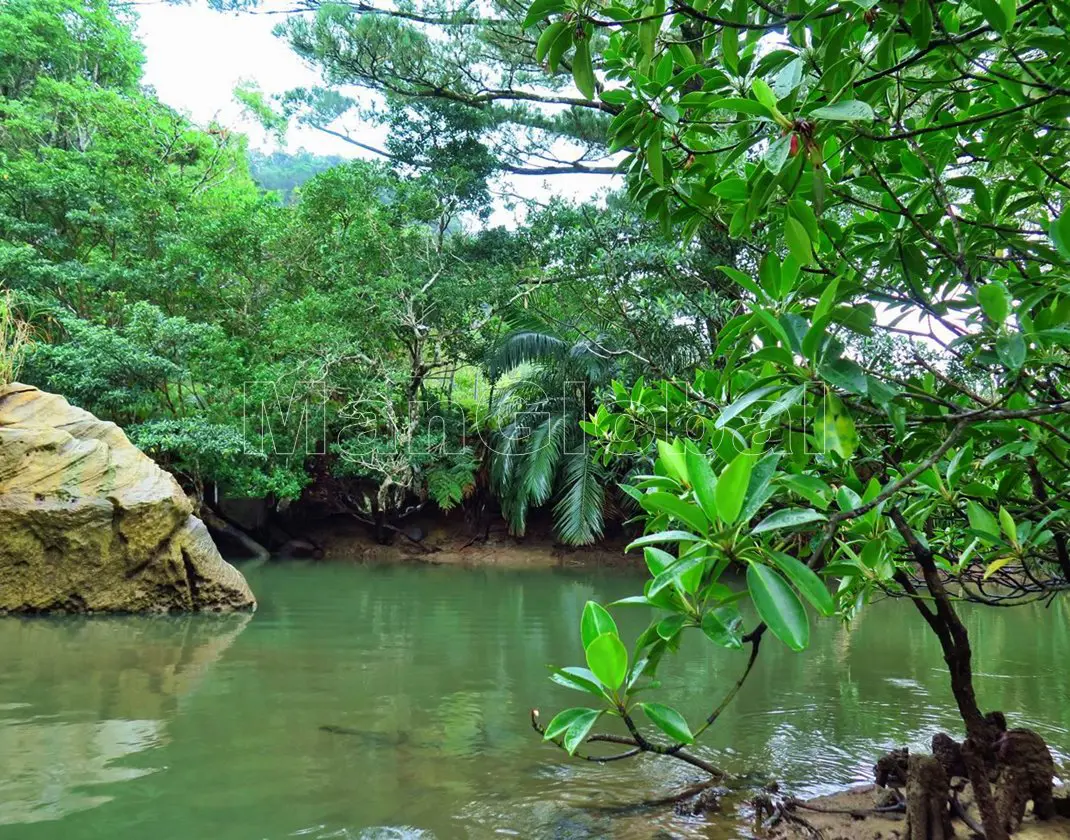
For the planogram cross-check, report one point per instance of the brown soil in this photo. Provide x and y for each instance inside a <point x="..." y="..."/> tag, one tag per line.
<point x="443" y="541"/>
<point x="869" y="826"/>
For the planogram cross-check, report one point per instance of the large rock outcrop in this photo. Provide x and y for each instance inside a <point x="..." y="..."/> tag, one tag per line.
<point x="88" y="523"/>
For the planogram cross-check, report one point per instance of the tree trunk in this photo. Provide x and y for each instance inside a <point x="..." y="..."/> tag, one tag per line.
<point x="955" y="643"/>
<point x="217" y="523"/>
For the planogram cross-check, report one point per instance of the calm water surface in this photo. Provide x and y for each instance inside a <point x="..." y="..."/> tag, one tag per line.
<point x="201" y="727"/>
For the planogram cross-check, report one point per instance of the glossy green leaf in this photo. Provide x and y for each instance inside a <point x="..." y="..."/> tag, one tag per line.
<point x="982" y="521"/>
<point x="669" y="721"/>
<point x="578" y="679"/>
<point x="579" y="729"/>
<point x="798" y="241"/>
<point x="723" y="627"/>
<point x="788" y="518"/>
<point x="541" y="9"/>
<point x="661" y="537"/>
<point x="608" y="659"/>
<point x="1011" y="350"/>
<point x="732" y="487"/>
<point x="560" y="722"/>
<point x="595" y="621"/>
<point x="778" y="606"/>
<point x="789" y="78"/>
<point x="686" y="512"/>
<point x="806" y="581"/>
<point x="835" y="429"/>
<point x="582" y="69"/>
<point x="777" y="153"/>
<point x="703" y="482"/>
<point x="848" y="109"/>
<point x="995" y="300"/>
<point x="550" y="34"/>
<point x="672" y="456"/>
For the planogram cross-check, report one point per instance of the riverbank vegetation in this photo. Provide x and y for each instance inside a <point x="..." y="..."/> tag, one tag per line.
<point x="821" y="340"/>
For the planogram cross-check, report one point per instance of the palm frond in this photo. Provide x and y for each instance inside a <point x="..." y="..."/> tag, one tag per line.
<point x="578" y="514"/>
<point x="541" y="456"/>
<point x="525" y="346"/>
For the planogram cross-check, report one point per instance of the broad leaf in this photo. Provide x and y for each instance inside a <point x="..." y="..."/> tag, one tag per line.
<point x="806" y="581"/>
<point x="669" y="721"/>
<point x="596" y="620"/>
<point x="608" y="659"/>
<point x="788" y="518"/>
<point x="732" y="487"/>
<point x="778" y="606"/>
<point x="848" y="109"/>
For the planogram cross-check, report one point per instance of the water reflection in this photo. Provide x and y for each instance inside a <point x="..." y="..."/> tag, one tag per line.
<point x="366" y="702"/>
<point x="82" y="694"/>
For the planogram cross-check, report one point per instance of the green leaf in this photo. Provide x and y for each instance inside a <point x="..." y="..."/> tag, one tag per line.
<point x="684" y="511"/>
<point x="1006" y="522"/>
<point x="669" y="627"/>
<point x="654" y="160"/>
<point x="810" y="586"/>
<point x="657" y="560"/>
<point x="561" y="722"/>
<point x="789" y="78"/>
<point x="672" y="456"/>
<point x="778" y="606"/>
<point x="608" y="659"/>
<point x="734" y="189"/>
<point x="732" y="487"/>
<point x="982" y="521"/>
<point x="996" y="565"/>
<point x="662" y="537"/>
<point x="722" y="626"/>
<point x="846" y="374"/>
<point x="741" y="106"/>
<point x="541" y="9"/>
<point x="743" y="403"/>
<point x="777" y="153"/>
<point x="703" y="482"/>
<point x="798" y="241"/>
<point x="1011" y="350"/>
<point x="582" y="70"/>
<point x="848" y="109"/>
<point x="764" y="94"/>
<point x="785" y="401"/>
<point x="835" y="430"/>
<point x="550" y="34"/>
<point x="579" y="730"/>
<point x="674" y="574"/>
<point x="1060" y="232"/>
<point x="596" y="620"/>
<point x="669" y="721"/>
<point x="578" y="679"/>
<point x="788" y="518"/>
<point x="995" y="301"/>
<point x="995" y="14"/>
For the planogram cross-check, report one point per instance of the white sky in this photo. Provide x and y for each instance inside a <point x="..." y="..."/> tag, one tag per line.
<point x="195" y="57"/>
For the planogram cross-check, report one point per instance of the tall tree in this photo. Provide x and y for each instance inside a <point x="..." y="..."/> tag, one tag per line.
<point x="897" y="168"/>
<point x="471" y="70"/>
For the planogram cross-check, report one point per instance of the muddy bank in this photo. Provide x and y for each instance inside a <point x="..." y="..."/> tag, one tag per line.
<point x="436" y="538"/>
<point x="848" y="815"/>
<point x="444" y="541"/>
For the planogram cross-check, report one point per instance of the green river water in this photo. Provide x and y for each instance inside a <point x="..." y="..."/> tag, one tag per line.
<point x="206" y="727"/>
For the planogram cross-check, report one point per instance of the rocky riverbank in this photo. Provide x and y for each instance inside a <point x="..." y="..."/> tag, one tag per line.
<point x="88" y="523"/>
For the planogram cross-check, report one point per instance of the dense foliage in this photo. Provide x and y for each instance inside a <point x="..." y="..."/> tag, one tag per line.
<point x="821" y="342"/>
<point x="263" y="322"/>
<point x="888" y="405"/>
